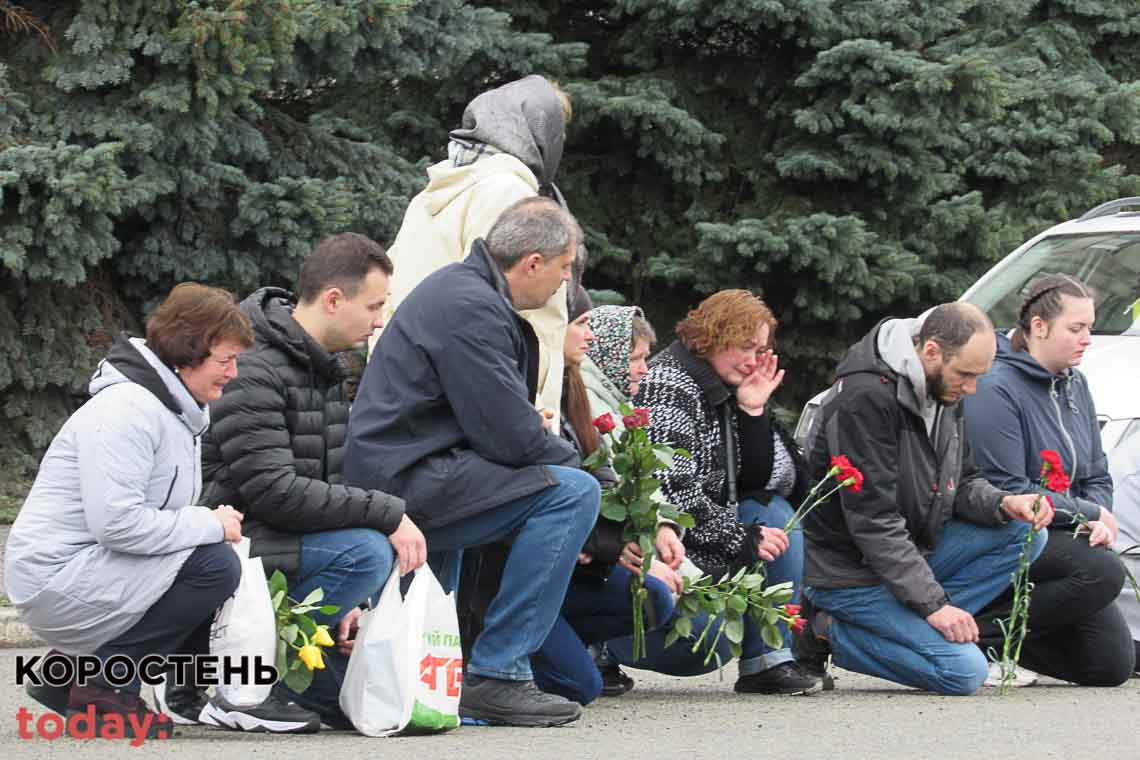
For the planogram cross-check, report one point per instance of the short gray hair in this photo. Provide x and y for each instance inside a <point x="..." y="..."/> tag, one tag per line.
<point x="642" y="330"/>
<point x="532" y="225"/>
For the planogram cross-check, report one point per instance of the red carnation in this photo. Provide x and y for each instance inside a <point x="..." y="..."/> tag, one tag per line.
<point x="848" y="476"/>
<point x="792" y="609"/>
<point x="797" y="624"/>
<point x="642" y="415"/>
<point x="1053" y="472"/>
<point x="605" y="423"/>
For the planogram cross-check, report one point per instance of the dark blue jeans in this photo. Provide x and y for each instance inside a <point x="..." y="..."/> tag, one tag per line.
<point x="595" y="610"/>
<point x="351" y="566"/>
<point x="873" y="633"/>
<point x="755" y="655"/>
<point x="546" y="531"/>
<point x="179" y="622"/>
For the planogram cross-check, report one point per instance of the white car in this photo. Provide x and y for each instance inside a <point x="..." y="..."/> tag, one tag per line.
<point x="1102" y="249"/>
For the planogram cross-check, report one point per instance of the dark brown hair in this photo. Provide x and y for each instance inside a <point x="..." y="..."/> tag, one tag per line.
<point x="576" y="407"/>
<point x="193" y="319"/>
<point x="341" y="261"/>
<point x="1045" y="300"/>
<point x="726" y="319"/>
<point x="952" y="326"/>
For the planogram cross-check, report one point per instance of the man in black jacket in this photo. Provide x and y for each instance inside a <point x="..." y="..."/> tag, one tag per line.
<point x="275" y="447"/>
<point x="896" y="570"/>
<point x="445" y="418"/>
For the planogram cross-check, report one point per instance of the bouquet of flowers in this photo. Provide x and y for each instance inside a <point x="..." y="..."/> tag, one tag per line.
<point x="635" y="500"/>
<point x="299" y="638"/>
<point x="745" y="593"/>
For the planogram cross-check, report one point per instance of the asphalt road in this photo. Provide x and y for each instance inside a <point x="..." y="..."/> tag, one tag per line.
<point x="696" y="718"/>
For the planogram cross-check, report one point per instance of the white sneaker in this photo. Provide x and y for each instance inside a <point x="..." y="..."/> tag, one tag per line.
<point x="1021" y="676"/>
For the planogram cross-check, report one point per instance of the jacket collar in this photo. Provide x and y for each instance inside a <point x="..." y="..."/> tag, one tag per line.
<point x="714" y="389"/>
<point x="480" y="260"/>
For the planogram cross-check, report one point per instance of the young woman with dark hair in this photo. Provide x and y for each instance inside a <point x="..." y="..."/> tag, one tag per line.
<point x="1034" y="398"/>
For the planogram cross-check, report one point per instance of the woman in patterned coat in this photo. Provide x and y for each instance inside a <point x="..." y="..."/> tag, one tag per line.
<point x="708" y="393"/>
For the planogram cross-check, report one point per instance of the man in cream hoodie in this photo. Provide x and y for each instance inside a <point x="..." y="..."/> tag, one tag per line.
<point x="508" y="148"/>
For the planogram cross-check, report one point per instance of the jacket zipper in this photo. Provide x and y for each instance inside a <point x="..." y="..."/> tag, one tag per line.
<point x="171" y="489"/>
<point x="1064" y="431"/>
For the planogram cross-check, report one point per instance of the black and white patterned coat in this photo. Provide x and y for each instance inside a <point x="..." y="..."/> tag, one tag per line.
<point x="686" y="399"/>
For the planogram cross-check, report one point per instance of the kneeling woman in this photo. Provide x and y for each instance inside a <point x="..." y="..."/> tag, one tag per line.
<point x="597" y="606"/>
<point x="109" y="554"/>
<point x="1033" y="399"/>
<point x="708" y="393"/>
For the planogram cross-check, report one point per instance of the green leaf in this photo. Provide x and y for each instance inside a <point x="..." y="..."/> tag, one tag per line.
<point x="298" y="679"/>
<point x="277" y="585"/>
<point x="329" y="609"/>
<point x="772" y="636"/>
<point x="307" y="624"/>
<point x="672" y="637"/>
<point x="663" y="458"/>
<point x="314" y="596"/>
<point x="278" y="597"/>
<point x="614" y="510"/>
<point x="281" y="660"/>
<point x="685" y="520"/>
<point x="288" y="634"/>
<point x="734" y="630"/>
<point x="737" y="603"/>
<point x="625" y="408"/>
<point x="683" y="626"/>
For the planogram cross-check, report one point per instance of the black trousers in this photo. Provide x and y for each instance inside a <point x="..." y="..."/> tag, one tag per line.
<point x="179" y="622"/>
<point x="1076" y="632"/>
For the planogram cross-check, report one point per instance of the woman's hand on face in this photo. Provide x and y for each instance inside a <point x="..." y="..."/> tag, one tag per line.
<point x="230" y="519"/>
<point x="754" y="391"/>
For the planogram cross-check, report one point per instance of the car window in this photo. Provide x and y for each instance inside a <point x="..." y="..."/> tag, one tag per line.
<point x="1108" y="263"/>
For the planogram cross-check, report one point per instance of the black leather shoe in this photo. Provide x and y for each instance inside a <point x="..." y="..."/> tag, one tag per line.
<point x="513" y="703"/>
<point x="53" y="698"/>
<point x="785" y="678"/>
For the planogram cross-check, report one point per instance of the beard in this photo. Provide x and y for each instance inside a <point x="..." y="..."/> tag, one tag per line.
<point x="936" y="389"/>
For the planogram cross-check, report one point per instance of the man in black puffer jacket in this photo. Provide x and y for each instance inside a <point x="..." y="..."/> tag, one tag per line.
<point x="275" y="448"/>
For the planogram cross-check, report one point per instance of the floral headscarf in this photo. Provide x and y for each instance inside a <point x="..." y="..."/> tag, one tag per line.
<point x="613" y="337"/>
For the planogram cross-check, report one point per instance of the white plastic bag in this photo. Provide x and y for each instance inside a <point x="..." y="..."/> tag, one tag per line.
<point x="245" y="627"/>
<point x="406" y="666"/>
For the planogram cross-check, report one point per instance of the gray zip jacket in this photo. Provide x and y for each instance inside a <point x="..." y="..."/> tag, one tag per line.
<point x="109" y="520"/>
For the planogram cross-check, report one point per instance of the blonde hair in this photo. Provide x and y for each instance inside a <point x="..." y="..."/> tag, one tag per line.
<point x="564" y="101"/>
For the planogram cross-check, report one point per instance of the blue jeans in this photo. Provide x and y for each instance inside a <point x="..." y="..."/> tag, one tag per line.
<point x="755" y="655"/>
<point x="351" y="566"/>
<point x="595" y="611"/>
<point x="546" y="531"/>
<point x="872" y="632"/>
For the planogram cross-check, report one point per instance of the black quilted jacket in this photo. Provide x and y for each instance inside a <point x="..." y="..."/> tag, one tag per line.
<point x="275" y="447"/>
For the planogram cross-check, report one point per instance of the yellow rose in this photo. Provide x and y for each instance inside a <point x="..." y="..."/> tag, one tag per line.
<point x="321" y="638"/>
<point x="311" y="656"/>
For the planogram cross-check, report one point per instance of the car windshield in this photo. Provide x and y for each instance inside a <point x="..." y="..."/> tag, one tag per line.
<point x="1109" y="264"/>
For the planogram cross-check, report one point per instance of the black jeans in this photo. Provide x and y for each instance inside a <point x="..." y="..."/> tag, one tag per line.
<point x="1076" y="633"/>
<point x="179" y="622"/>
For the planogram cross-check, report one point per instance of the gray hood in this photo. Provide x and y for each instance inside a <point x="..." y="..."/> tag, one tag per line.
<point x="131" y="361"/>
<point x="895" y="343"/>
<point x="522" y="118"/>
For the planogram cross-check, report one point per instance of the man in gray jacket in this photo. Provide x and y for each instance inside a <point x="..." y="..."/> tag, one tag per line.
<point x="895" y="570"/>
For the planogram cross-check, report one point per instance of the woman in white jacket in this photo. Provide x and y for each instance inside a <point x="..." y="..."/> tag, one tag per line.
<point x="109" y="554"/>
